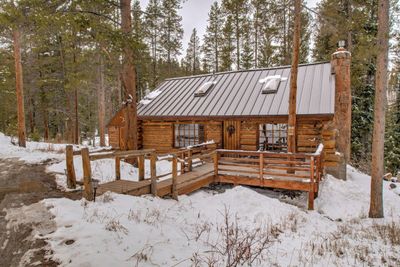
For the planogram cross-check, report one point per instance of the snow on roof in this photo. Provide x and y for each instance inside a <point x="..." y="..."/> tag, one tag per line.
<point x="149" y="97"/>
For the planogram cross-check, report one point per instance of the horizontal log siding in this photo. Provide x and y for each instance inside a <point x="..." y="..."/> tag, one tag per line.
<point x="113" y="136"/>
<point x="310" y="134"/>
<point x="157" y="135"/>
<point x="160" y="135"/>
<point x="213" y="131"/>
<point x="249" y="135"/>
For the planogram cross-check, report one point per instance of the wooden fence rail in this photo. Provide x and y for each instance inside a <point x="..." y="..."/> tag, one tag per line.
<point x="294" y="171"/>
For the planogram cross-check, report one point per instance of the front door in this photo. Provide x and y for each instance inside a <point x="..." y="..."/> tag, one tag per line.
<point x="232" y="135"/>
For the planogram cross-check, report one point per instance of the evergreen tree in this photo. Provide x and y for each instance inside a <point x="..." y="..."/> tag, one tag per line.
<point x="153" y="27"/>
<point x="213" y="40"/>
<point x="237" y="11"/>
<point x="192" y="57"/>
<point x="332" y="26"/>
<point x="247" y="54"/>
<point x="284" y="21"/>
<point x="171" y="33"/>
<point x="228" y="47"/>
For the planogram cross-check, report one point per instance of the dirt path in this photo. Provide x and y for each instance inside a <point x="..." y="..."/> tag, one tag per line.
<point x="22" y="184"/>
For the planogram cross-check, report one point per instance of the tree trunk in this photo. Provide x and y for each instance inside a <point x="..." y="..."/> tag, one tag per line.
<point x="128" y="79"/>
<point x="377" y="165"/>
<point x="293" y="79"/>
<point x="100" y="101"/>
<point x="19" y="86"/>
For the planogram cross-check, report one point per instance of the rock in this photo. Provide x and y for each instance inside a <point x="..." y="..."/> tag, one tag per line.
<point x="392" y="186"/>
<point x="388" y="176"/>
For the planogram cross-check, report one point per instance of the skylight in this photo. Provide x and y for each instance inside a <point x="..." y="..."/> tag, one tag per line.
<point x="271" y="83"/>
<point x="204" y="88"/>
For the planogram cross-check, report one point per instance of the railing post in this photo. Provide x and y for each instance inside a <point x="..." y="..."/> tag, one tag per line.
<point x="216" y="157"/>
<point x="261" y="168"/>
<point x="190" y="160"/>
<point x="141" y="168"/>
<point x="312" y="184"/>
<point x="174" y="178"/>
<point x="153" y="174"/>
<point x="71" y="177"/>
<point x="117" y="168"/>
<point x="87" y="174"/>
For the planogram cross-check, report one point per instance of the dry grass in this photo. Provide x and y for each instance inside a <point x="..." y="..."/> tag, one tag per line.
<point x="52" y="148"/>
<point x="107" y="197"/>
<point x="236" y="244"/>
<point x="114" y="225"/>
<point x="358" y="243"/>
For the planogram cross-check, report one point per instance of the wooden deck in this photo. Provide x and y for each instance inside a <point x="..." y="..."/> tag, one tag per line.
<point x="291" y="171"/>
<point x="186" y="183"/>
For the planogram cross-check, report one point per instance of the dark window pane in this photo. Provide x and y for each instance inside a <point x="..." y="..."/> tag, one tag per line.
<point x="273" y="137"/>
<point x="189" y="134"/>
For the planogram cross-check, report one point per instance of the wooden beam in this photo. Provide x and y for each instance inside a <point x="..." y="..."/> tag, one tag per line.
<point x="117" y="168"/>
<point x="141" y="167"/>
<point x="312" y="184"/>
<point x="87" y="174"/>
<point x="175" y="178"/>
<point x="190" y="160"/>
<point x="153" y="174"/>
<point x="71" y="176"/>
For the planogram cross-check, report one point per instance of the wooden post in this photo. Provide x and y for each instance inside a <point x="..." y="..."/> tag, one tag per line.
<point x="87" y="174"/>
<point x="261" y="168"/>
<point x="216" y="156"/>
<point x="312" y="185"/>
<point x="190" y="160"/>
<point x="141" y="168"/>
<point x="71" y="177"/>
<point x="293" y="78"/>
<point x="117" y="168"/>
<point x="174" y="178"/>
<point x="153" y="174"/>
<point x="182" y="155"/>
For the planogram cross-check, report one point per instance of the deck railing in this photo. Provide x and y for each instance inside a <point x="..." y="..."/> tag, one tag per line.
<point x="299" y="171"/>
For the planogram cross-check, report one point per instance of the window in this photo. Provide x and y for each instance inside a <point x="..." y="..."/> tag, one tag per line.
<point x="271" y="83"/>
<point x="189" y="134"/>
<point x="273" y="137"/>
<point x="204" y="88"/>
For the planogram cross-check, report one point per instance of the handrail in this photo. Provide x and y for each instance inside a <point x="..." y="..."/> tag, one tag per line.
<point x="269" y="153"/>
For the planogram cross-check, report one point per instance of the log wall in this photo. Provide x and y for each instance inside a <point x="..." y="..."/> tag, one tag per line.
<point x="160" y="136"/>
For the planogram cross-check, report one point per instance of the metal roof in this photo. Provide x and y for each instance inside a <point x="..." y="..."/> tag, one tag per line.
<point x="239" y="93"/>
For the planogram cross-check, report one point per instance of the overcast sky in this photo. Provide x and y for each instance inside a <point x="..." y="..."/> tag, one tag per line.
<point x="195" y="14"/>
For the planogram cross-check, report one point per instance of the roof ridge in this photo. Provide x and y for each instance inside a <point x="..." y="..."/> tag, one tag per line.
<point x="246" y="70"/>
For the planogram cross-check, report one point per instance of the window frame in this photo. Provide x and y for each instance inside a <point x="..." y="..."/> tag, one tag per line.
<point x="186" y="142"/>
<point x="276" y="147"/>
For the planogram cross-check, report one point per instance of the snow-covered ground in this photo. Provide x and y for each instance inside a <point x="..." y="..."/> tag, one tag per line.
<point x="124" y="231"/>
<point x="214" y="228"/>
<point x="35" y="152"/>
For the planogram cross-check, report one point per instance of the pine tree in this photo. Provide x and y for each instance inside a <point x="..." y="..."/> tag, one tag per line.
<point x="377" y="162"/>
<point x="237" y="12"/>
<point x="284" y="21"/>
<point x="171" y="33"/>
<point x="247" y="54"/>
<point x="332" y="26"/>
<point x="213" y="40"/>
<point x="153" y="27"/>
<point x="192" y="57"/>
<point x="228" y="45"/>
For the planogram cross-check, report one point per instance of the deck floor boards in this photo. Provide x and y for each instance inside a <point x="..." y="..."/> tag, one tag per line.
<point x="200" y="176"/>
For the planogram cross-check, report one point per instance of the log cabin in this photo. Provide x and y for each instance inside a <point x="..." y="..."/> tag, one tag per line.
<point x="248" y="110"/>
